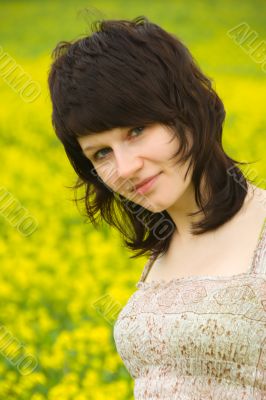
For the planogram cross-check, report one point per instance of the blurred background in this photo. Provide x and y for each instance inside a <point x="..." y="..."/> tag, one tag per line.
<point x="62" y="283"/>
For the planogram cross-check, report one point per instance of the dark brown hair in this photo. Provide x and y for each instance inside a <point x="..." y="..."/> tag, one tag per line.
<point x="133" y="73"/>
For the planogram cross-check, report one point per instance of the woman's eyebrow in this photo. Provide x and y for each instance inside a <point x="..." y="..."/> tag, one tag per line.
<point x="88" y="147"/>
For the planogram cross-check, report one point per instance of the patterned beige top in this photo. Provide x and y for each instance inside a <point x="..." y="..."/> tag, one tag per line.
<point x="198" y="337"/>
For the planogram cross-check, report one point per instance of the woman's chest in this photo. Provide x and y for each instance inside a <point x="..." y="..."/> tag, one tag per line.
<point x="177" y="326"/>
<point x="243" y="295"/>
<point x="228" y="251"/>
<point x="226" y="257"/>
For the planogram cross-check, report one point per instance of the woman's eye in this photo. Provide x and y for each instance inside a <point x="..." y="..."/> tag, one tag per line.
<point x="96" y="155"/>
<point x="134" y="129"/>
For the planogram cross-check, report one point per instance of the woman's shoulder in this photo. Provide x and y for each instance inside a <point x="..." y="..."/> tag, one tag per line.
<point x="259" y="198"/>
<point x="258" y="190"/>
<point x="260" y="256"/>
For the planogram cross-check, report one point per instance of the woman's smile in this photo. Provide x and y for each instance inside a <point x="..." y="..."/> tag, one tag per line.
<point x="148" y="185"/>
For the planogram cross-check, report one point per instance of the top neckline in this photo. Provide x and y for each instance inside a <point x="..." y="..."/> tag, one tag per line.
<point x="162" y="282"/>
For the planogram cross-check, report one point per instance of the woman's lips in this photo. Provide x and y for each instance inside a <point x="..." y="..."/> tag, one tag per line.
<point x="147" y="186"/>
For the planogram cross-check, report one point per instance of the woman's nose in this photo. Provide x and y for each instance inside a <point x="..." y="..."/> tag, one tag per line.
<point x="127" y="164"/>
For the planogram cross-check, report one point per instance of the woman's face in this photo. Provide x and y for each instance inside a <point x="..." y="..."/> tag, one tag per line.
<point x="124" y="157"/>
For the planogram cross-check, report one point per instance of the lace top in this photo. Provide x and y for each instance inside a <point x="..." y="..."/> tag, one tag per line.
<point x="197" y="337"/>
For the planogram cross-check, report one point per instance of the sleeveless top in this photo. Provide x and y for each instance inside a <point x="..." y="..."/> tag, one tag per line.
<point x="197" y="337"/>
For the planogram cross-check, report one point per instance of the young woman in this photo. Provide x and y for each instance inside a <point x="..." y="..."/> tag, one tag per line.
<point x="142" y="128"/>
